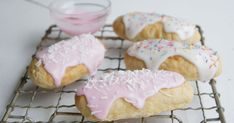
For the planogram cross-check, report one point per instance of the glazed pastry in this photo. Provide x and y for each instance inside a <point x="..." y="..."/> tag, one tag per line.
<point x="132" y="94"/>
<point x="140" y="26"/>
<point x="66" y="61"/>
<point x="194" y="62"/>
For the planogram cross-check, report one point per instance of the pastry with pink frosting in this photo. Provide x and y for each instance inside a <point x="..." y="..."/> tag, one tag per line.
<point x="66" y="61"/>
<point x="132" y="94"/>
<point x="138" y="26"/>
<point x="194" y="62"/>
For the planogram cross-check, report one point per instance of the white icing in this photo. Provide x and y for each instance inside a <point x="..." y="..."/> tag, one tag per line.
<point x="135" y="22"/>
<point x="182" y="28"/>
<point x="155" y="52"/>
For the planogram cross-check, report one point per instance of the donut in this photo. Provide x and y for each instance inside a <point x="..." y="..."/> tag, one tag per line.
<point x="132" y="94"/>
<point x="66" y="61"/>
<point x="194" y="62"/>
<point x="138" y="26"/>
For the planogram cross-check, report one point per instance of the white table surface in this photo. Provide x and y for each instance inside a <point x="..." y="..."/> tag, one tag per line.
<point x="22" y="25"/>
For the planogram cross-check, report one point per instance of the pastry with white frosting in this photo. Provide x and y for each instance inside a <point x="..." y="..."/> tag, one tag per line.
<point x="132" y="94"/>
<point x="139" y="26"/>
<point x="194" y="62"/>
<point x="66" y="61"/>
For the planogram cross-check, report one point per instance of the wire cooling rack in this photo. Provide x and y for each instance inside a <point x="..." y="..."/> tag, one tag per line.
<point x="33" y="104"/>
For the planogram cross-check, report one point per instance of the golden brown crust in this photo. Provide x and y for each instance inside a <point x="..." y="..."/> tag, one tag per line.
<point x="174" y="63"/>
<point x="43" y="79"/>
<point x="152" y="31"/>
<point x="164" y="100"/>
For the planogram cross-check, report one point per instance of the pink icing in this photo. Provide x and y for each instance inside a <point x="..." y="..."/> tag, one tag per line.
<point x="84" y="49"/>
<point x="77" y="21"/>
<point x="133" y="86"/>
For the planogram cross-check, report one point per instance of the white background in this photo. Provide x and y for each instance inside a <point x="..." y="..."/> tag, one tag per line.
<point x="22" y="25"/>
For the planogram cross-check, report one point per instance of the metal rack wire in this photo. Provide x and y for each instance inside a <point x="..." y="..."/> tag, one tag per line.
<point x="28" y="94"/>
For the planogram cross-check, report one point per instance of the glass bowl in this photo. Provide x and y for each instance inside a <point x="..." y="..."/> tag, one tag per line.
<point x="76" y="17"/>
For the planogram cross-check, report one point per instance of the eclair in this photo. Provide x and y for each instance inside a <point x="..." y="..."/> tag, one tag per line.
<point x="138" y="26"/>
<point x="194" y="62"/>
<point x="132" y="94"/>
<point x="66" y="61"/>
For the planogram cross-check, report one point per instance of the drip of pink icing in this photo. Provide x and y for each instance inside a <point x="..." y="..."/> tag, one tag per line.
<point x="84" y="49"/>
<point x="133" y="86"/>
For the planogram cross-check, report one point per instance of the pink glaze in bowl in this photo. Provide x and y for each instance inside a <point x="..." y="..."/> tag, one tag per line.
<point x="76" y="17"/>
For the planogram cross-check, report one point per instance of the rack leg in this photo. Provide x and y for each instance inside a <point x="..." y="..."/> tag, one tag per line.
<point x="217" y="101"/>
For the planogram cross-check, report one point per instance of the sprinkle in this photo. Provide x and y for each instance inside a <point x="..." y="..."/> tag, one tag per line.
<point x="215" y="53"/>
<point x="163" y="54"/>
<point x="74" y="47"/>
<point x="170" y="44"/>
<point x="95" y="112"/>
<point x="146" y="46"/>
<point x="104" y="97"/>
<point x="91" y="106"/>
<point x="129" y="87"/>
<point x="151" y="58"/>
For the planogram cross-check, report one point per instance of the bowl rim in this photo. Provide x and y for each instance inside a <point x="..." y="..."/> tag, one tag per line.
<point x="53" y="9"/>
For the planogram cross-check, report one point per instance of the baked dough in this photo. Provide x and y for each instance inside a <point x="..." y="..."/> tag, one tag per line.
<point x="163" y="100"/>
<point x="43" y="79"/>
<point x="174" y="62"/>
<point x="154" y="30"/>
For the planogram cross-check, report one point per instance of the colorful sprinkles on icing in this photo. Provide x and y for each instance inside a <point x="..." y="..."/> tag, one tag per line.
<point x="133" y="86"/>
<point x="81" y="49"/>
<point x="154" y="54"/>
<point x="135" y="22"/>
